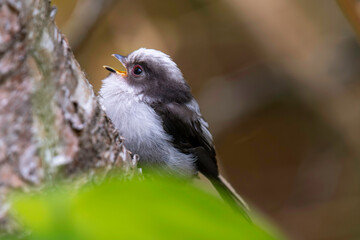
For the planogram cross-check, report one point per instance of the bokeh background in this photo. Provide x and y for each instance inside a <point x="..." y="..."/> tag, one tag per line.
<point x="278" y="82"/>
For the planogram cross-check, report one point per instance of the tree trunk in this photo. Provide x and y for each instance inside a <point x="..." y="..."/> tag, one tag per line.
<point x="51" y="124"/>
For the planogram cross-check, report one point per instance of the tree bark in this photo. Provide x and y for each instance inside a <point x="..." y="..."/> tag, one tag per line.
<point x="51" y="124"/>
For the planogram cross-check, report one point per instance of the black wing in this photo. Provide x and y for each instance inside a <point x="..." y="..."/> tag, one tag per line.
<point x="189" y="134"/>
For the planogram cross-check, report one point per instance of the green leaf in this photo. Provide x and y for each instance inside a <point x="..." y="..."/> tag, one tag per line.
<point x="160" y="208"/>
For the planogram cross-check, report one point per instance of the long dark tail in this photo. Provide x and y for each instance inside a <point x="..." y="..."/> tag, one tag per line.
<point x="228" y="193"/>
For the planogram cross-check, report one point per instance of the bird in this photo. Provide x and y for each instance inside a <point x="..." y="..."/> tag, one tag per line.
<point x="153" y="109"/>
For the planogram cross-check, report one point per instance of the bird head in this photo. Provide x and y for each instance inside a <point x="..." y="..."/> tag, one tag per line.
<point x="152" y="73"/>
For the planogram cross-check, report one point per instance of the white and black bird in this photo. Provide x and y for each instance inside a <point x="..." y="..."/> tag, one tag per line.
<point x="152" y="107"/>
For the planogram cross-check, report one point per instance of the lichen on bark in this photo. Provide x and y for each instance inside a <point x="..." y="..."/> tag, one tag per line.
<point x="51" y="125"/>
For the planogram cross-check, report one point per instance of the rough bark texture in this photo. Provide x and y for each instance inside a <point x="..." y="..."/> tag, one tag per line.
<point x="50" y="122"/>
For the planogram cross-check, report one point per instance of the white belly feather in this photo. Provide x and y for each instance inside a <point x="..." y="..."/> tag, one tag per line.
<point x="141" y="127"/>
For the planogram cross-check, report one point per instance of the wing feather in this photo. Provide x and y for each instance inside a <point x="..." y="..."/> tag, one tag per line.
<point x="190" y="134"/>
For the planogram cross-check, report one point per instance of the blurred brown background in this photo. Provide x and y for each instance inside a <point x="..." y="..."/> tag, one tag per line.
<point x="278" y="82"/>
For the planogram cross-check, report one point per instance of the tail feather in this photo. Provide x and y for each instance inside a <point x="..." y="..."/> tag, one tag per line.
<point x="228" y="193"/>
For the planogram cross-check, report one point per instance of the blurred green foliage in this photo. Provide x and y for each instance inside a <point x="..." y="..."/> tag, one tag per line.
<point x="160" y="208"/>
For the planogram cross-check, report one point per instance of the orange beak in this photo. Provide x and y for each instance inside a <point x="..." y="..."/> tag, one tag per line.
<point x="113" y="70"/>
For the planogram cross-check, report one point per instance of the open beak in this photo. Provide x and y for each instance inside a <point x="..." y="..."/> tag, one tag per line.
<point x="113" y="70"/>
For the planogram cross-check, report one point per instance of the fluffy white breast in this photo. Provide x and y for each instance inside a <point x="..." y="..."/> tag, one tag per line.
<point x="141" y="127"/>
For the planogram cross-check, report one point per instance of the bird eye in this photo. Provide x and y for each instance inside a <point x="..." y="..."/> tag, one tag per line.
<point x="137" y="70"/>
